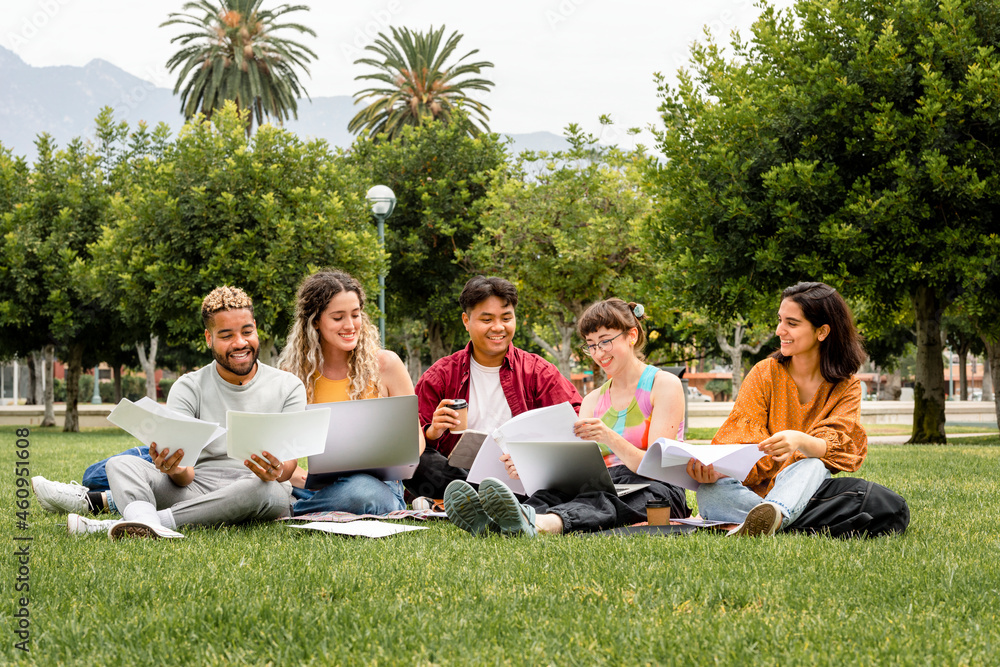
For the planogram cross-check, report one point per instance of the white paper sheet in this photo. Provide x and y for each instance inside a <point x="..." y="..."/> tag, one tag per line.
<point x="666" y="460"/>
<point x="359" y="528"/>
<point x="150" y="422"/>
<point x="553" y="423"/>
<point x="549" y="424"/>
<point x="487" y="464"/>
<point x="286" y="435"/>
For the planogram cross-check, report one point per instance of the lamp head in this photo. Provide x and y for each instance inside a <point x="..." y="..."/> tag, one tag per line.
<point x="382" y="200"/>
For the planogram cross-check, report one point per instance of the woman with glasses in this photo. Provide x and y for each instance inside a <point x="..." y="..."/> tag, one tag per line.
<point x="637" y="404"/>
<point x="803" y="406"/>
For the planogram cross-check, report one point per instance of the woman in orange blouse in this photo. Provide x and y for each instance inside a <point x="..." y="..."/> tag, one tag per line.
<point x="803" y="406"/>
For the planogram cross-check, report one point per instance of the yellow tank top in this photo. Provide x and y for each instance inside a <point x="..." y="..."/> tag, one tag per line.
<point x="334" y="391"/>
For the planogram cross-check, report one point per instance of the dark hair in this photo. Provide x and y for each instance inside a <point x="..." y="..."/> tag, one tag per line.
<point x="842" y="352"/>
<point x="480" y="288"/>
<point x="614" y="314"/>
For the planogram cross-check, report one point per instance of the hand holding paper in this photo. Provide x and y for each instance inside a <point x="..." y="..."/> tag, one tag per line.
<point x="666" y="460"/>
<point x="286" y="435"/>
<point x="150" y="422"/>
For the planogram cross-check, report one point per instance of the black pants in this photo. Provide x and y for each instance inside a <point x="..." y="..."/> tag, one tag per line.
<point x="433" y="474"/>
<point x="599" y="510"/>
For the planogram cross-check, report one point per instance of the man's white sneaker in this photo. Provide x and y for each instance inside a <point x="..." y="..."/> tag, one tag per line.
<point x="59" y="497"/>
<point x="81" y="525"/>
<point x="123" y="529"/>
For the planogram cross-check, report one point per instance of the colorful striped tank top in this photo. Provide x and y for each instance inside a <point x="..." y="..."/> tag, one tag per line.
<point x="632" y="423"/>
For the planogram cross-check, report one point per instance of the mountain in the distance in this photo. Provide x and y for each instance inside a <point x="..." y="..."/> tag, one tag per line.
<point x="64" y="101"/>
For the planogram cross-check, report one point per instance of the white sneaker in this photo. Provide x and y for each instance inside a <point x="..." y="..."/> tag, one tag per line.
<point x="764" y="519"/>
<point x="123" y="529"/>
<point x="59" y="497"/>
<point x="81" y="525"/>
<point x="422" y="503"/>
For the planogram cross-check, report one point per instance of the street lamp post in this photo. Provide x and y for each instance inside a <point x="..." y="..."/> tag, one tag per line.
<point x="383" y="202"/>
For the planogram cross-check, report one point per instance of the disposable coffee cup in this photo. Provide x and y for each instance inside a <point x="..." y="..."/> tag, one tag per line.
<point x="461" y="406"/>
<point x="658" y="513"/>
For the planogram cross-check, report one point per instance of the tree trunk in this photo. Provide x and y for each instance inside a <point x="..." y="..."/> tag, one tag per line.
<point x="928" y="388"/>
<point x="48" y="371"/>
<point x="117" y="372"/>
<point x="434" y="340"/>
<point x="74" y="368"/>
<point x="411" y="345"/>
<point x="149" y="364"/>
<point x="34" y="386"/>
<point x="988" y="367"/>
<point x="735" y="352"/>
<point x="562" y="354"/>
<point x="267" y="353"/>
<point x="993" y="366"/>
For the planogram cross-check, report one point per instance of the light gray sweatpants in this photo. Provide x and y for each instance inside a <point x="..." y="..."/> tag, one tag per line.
<point x="217" y="495"/>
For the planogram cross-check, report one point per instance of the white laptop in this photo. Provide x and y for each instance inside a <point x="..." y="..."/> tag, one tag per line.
<point x="569" y="467"/>
<point x="377" y="436"/>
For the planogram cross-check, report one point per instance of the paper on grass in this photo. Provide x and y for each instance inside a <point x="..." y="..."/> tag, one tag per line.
<point x="150" y="422"/>
<point x="359" y="528"/>
<point x="286" y="435"/>
<point x="553" y="423"/>
<point x="666" y="460"/>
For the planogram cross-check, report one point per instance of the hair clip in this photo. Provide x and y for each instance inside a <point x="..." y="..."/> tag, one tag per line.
<point x="638" y="311"/>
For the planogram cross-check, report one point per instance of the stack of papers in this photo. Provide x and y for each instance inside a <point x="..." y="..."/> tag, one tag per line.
<point x="286" y="435"/>
<point x="150" y="422"/>
<point x="666" y="461"/>
<point x="550" y="424"/>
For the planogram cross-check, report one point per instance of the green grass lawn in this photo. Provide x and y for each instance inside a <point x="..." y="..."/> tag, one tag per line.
<point x="268" y="594"/>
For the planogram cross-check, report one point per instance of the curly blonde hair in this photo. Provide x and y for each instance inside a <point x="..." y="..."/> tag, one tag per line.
<point x="303" y="354"/>
<point x="224" y="298"/>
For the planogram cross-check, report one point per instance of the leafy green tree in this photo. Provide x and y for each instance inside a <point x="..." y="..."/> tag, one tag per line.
<point x="567" y="235"/>
<point x="221" y="208"/>
<point x="235" y="52"/>
<point x="415" y="85"/>
<point x="841" y="143"/>
<point x="44" y="238"/>
<point x="438" y="173"/>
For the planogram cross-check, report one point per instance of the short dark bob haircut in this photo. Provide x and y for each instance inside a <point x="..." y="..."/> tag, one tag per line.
<point x="842" y="352"/>
<point x="480" y="288"/>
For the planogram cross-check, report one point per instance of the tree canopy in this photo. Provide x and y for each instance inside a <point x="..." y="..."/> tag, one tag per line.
<point x="221" y="208"/>
<point x="567" y="234"/>
<point x="845" y="142"/>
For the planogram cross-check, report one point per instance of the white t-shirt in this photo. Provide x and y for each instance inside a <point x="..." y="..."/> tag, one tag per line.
<point x="487" y="404"/>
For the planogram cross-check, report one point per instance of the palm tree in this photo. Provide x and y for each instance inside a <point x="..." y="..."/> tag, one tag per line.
<point x="235" y="54"/>
<point x="417" y="87"/>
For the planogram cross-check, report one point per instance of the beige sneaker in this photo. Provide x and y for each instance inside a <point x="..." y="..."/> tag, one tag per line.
<point x="764" y="519"/>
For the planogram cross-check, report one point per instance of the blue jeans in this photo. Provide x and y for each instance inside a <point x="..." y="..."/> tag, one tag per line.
<point x="728" y="500"/>
<point x="358" y="494"/>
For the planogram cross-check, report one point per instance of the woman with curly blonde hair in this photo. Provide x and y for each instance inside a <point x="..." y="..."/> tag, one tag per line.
<point x="334" y="349"/>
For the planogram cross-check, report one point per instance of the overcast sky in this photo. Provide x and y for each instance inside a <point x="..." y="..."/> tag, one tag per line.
<point x="556" y="61"/>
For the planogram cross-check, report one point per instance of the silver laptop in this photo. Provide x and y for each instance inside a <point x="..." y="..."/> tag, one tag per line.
<point x="377" y="436"/>
<point x="569" y="467"/>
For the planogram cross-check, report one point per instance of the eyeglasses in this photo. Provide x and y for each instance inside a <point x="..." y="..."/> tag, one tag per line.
<point x="604" y="345"/>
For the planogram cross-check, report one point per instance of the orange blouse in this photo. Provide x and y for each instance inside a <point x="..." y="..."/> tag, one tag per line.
<point x="768" y="402"/>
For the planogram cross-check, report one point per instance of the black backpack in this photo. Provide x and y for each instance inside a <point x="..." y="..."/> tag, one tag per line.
<point x="853" y="507"/>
